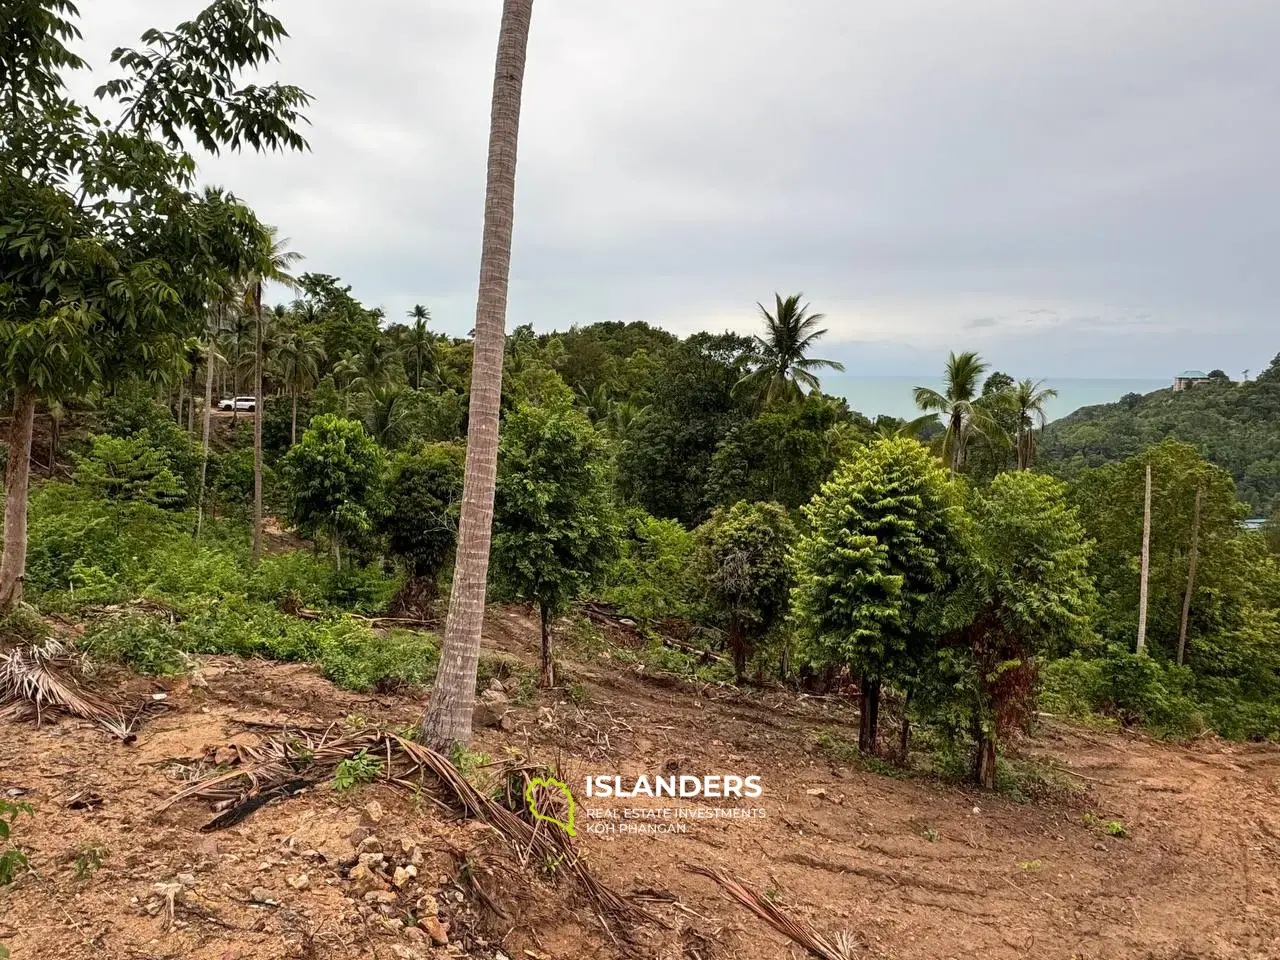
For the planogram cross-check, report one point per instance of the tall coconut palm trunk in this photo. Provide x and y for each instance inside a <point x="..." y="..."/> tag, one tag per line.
<point x="448" y="717"/>
<point x="257" y="423"/>
<point x="210" y="363"/>
<point x="17" y="476"/>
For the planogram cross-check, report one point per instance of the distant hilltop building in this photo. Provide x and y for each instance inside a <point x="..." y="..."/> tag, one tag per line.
<point x="1188" y="379"/>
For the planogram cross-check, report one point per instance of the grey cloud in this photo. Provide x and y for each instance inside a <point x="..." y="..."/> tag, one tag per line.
<point x="910" y="166"/>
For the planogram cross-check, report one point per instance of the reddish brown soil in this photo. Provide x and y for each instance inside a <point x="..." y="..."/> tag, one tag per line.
<point x="907" y="868"/>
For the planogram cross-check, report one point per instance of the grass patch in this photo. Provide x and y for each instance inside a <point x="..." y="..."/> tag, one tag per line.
<point x="846" y="752"/>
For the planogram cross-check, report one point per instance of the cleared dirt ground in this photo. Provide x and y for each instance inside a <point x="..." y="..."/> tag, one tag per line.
<point x="908" y="868"/>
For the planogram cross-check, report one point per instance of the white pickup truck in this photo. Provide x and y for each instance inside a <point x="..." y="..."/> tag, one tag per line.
<point x="238" y="403"/>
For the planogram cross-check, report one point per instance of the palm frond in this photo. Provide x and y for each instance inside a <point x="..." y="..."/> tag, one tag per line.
<point x="39" y="682"/>
<point x="841" y="947"/>
<point x="928" y="398"/>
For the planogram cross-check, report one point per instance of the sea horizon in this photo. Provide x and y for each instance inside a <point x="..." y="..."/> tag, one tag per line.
<point x="893" y="396"/>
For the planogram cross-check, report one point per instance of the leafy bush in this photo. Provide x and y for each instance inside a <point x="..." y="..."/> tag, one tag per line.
<point x="11" y="858"/>
<point x="22" y="625"/>
<point x="1139" y="689"/>
<point x="649" y="578"/>
<point x="146" y="644"/>
<point x="134" y="409"/>
<point x="742" y="562"/>
<point x="129" y="470"/>
<point x="352" y="656"/>
<point x="1071" y="686"/>
<point x="362" y="589"/>
<point x="424" y="493"/>
<point x="237" y="626"/>
<point x="357" y="769"/>
<point x="333" y="477"/>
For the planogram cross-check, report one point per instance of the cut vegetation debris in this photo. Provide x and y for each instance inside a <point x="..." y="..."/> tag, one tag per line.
<point x="39" y="681"/>
<point x="294" y="759"/>
<point x="842" y="947"/>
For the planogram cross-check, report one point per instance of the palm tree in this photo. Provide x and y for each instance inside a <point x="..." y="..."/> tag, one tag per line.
<point x="965" y="414"/>
<point x="891" y="428"/>
<point x="419" y="342"/>
<point x="239" y="339"/>
<point x="387" y="411"/>
<point x="780" y="368"/>
<point x="296" y="359"/>
<point x="1028" y="399"/>
<point x="371" y="367"/>
<point x="217" y="346"/>
<point x="273" y="262"/>
<point x="448" y="717"/>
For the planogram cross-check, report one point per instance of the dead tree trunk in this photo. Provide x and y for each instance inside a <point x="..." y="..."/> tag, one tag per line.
<point x="257" y="424"/>
<point x="1146" y="567"/>
<point x="1191" y="575"/>
<point x="206" y="414"/>
<point x="548" y="675"/>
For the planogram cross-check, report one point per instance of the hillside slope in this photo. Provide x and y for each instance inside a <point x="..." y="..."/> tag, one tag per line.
<point x="1235" y="425"/>
<point x="910" y="869"/>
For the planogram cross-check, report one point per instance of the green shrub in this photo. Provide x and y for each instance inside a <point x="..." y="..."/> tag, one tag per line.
<point x="237" y="626"/>
<point x="648" y="580"/>
<point x="357" y="769"/>
<point x="132" y="409"/>
<point x="352" y="656"/>
<point x="1072" y="686"/>
<point x="22" y="625"/>
<point x="362" y="589"/>
<point x="1140" y="690"/>
<point x="129" y="470"/>
<point x="11" y="858"/>
<point x="145" y="644"/>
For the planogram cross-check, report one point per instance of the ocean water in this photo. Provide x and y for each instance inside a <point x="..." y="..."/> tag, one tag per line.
<point x="873" y="396"/>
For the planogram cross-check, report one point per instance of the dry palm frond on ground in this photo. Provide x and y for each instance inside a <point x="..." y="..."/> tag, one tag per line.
<point x="842" y="948"/>
<point x="39" y="681"/>
<point x="293" y="759"/>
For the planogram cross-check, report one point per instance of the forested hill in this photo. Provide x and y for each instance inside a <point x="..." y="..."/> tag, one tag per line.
<point x="1235" y="425"/>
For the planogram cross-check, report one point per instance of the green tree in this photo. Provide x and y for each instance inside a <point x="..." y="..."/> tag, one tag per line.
<point x="420" y="516"/>
<point x="389" y="412"/>
<point x="743" y="566"/>
<point x="881" y="548"/>
<point x="1110" y="500"/>
<point x="554" y="530"/>
<point x="271" y="262"/>
<point x="783" y="455"/>
<point x="1029" y="593"/>
<point x="374" y="365"/>
<point x="96" y="289"/>
<point x="964" y="413"/>
<point x="781" y="368"/>
<point x="649" y="580"/>
<point x="129" y="470"/>
<point x="690" y="409"/>
<point x="333" y="476"/>
<point x="1235" y="426"/>
<point x="327" y="309"/>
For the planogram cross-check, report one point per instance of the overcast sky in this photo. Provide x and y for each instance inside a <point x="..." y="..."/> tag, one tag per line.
<point x="1074" y="189"/>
